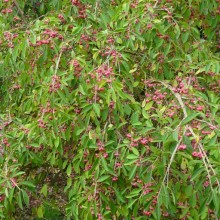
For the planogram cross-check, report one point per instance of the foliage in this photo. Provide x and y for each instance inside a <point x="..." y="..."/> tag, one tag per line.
<point x="110" y="109"/>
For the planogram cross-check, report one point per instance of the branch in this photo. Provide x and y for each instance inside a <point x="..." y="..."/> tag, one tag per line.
<point x="205" y="158"/>
<point x="166" y="176"/>
<point x="19" y="9"/>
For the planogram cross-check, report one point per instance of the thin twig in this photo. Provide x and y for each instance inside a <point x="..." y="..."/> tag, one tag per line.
<point x="58" y="62"/>
<point x="201" y="148"/>
<point x="205" y="158"/>
<point x="191" y="130"/>
<point x="19" y="9"/>
<point x="155" y="5"/>
<point x="15" y="184"/>
<point x="166" y="176"/>
<point x="207" y="123"/>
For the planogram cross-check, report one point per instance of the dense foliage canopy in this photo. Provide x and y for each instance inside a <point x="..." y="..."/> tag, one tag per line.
<point x="110" y="109"/>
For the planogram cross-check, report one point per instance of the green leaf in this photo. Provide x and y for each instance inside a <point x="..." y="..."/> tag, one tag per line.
<point x="44" y="190"/>
<point x="18" y="174"/>
<point x="193" y="200"/>
<point x="35" y="145"/>
<point x="216" y="201"/>
<point x="57" y="142"/>
<point x="217" y="67"/>
<point x="197" y="173"/>
<point x="132" y="173"/>
<point x="189" y="118"/>
<point x="124" y="211"/>
<point x="158" y="212"/>
<point x="148" y="105"/>
<point x="82" y="90"/>
<point x="103" y="178"/>
<point x="40" y="212"/>
<point x="69" y="170"/>
<point x="27" y="183"/>
<point x="130" y="204"/>
<point x="119" y="196"/>
<point x="177" y="29"/>
<point x="134" y="118"/>
<point x="135" y="151"/>
<point x="79" y="131"/>
<point x="20" y="200"/>
<point x="175" y="135"/>
<point x="166" y="197"/>
<point x="96" y="108"/>
<point x="185" y="37"/>
<point x="25" y="197"/>
<point x="135" y="84"/>
<point x="133" y="193"/>
<point x="132" y="156"/>
<point x="104" y="164"/>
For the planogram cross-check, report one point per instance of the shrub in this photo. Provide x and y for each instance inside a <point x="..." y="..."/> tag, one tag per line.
<point x="110" y="109"/>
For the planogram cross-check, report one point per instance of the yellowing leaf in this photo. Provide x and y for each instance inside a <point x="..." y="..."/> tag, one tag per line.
<point x="149" y="105"/>
<point x="44" y="190"/>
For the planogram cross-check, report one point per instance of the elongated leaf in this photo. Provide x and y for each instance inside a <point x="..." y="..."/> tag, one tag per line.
<point x="189" y="118"/>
